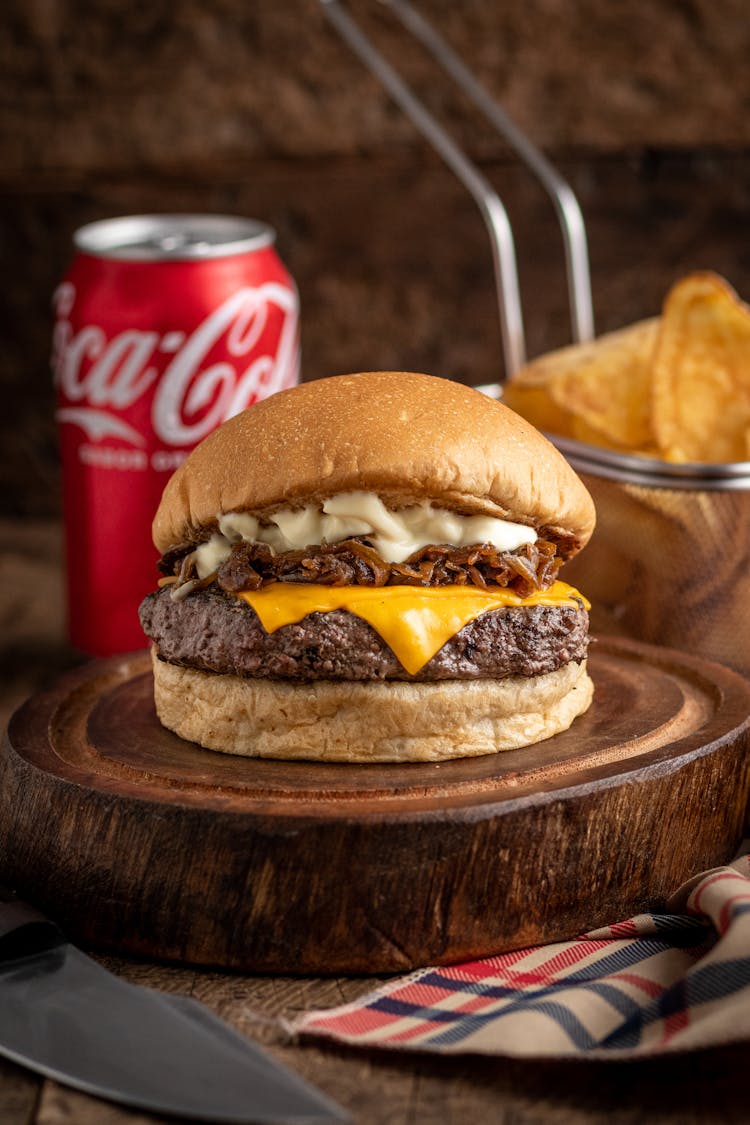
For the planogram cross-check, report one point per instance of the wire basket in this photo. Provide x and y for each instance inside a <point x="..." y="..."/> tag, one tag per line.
<point x="669" y="561"/>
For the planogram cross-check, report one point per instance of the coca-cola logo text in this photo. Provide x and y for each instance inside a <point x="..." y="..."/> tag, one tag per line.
<point x="100" y="377"/>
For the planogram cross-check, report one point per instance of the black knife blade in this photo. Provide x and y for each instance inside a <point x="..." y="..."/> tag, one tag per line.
<point x="68" y="1018"/>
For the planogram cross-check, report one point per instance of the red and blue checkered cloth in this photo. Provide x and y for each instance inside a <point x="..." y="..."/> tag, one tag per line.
<point x="657" y="982"/>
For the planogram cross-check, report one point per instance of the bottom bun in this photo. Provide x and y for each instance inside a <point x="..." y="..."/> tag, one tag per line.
<point x="328" y="721"/>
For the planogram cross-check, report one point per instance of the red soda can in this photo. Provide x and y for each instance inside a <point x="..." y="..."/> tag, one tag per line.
<point x="166" y="325"/>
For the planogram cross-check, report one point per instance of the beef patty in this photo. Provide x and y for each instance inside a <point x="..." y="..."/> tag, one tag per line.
<point x="216" y="632"/>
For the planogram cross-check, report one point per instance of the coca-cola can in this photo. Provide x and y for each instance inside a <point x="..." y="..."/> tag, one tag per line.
<point x="166" y="325"/>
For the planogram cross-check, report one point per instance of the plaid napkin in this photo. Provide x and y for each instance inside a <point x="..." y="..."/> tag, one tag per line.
<point x="657" y="982"/>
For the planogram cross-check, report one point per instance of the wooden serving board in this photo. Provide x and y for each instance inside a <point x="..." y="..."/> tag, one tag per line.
<point x="137" y="841"/>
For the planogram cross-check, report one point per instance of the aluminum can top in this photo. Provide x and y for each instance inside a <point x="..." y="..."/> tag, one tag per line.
<point x="178" y="237"/>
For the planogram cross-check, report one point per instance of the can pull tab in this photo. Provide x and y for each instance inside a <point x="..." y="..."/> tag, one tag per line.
<point x="168" y="243"/>
<point x="496" y="219"/>
<point x="178" y="242"/>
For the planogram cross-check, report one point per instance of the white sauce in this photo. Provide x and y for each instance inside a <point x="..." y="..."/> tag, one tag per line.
<point x="394" y="535"/>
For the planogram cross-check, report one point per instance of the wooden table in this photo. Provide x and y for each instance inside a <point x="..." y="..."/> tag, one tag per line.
<point x="704" y="1088"/>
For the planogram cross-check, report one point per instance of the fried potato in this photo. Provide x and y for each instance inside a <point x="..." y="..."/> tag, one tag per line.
<point x="606" y="384"/>
<point x="529" y="396"/>
<point x="676" y="387"/>
<point x="700" y="381"/>
<point x="599" y="391"/>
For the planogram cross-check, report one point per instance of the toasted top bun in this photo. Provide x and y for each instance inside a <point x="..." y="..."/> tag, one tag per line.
<point x="404" y="436"/>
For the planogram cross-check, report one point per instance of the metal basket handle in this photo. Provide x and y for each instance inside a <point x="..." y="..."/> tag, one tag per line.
<point x="492" y="209"/>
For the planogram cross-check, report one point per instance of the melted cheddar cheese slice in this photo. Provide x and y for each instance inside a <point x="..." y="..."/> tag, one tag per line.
<point x="414" y="621"/>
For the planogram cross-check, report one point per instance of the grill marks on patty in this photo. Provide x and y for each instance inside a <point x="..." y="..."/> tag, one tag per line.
<point x="216" y="632"/>
<point x="354" y="562"/>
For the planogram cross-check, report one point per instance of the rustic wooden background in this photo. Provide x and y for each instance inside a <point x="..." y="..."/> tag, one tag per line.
<point x="258" y="108"/>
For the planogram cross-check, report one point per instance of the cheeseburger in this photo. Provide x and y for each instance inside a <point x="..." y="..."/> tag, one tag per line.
<point x="364" y="569"/>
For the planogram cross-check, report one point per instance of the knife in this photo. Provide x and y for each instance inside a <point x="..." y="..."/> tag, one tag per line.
<point x="68" y="1018"/>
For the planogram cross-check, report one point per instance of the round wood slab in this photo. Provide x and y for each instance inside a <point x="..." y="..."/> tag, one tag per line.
<point x="137" y="841"/>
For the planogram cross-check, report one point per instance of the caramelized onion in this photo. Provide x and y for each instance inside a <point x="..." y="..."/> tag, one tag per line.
<point x="354" y="562"/>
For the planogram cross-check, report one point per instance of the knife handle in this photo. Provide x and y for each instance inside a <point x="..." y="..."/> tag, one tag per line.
<point x="6" y="894"/>
<point x="24" y="931"/>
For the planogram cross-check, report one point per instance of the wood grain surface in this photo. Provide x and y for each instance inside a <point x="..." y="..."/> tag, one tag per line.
<point x="139" y="842"/>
